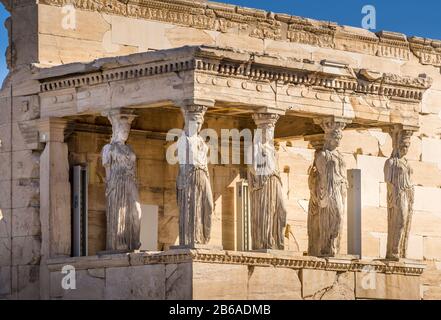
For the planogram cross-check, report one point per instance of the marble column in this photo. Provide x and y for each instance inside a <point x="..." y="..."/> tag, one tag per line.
<point x="328" y="186"/>
<point x="123" y="207"/>
<point x="400" y="194"/>
<point x="55" y="196"/>
<point x="55" y="199"/>
<point x="268" y="212"/>
<point x="194" y="194"/>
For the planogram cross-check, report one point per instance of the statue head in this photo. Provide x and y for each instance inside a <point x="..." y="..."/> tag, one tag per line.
<point x="401" y="140"/>
<point x="194" y="119"/>
<point x="333" y="133"/>
<point x="121" y="123"/>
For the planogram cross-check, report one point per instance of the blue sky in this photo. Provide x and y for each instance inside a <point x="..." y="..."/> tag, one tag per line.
<point x="412" y="17"/>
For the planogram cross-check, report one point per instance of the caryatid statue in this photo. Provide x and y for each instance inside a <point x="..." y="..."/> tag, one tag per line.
<point x="268" y="212"/>
<point x="123" y="207"/>
<point x="194" y="195"/>
<point x="400" y="194"/>
<point x="329" y="190"/>
<point x="314" y="246"/>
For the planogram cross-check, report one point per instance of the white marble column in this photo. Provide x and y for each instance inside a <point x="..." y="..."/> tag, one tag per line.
<point x="194" y="193"/>
<point x="400" y="193"/>
<point x="328" y="186"/>
<point x="268" y="212"/>
<point x="123" y="214"/>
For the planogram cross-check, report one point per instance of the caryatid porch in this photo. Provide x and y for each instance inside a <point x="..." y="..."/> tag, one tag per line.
<point x="230" y="89"/>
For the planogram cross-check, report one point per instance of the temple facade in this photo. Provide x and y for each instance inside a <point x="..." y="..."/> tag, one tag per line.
<point x="106" y="101"/>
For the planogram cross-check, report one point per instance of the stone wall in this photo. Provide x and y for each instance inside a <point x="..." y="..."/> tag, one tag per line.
<point x="221" y="275"/>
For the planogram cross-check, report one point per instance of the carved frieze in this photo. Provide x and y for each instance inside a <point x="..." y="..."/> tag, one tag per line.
<point x="265" y="25"/>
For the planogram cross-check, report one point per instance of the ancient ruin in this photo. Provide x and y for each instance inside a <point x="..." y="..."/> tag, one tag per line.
<point x="108" y="119"/>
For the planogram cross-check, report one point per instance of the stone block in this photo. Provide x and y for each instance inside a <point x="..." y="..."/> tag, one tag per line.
<point x="270" y="283"/>
<point x="178" y="281"/>
<point x="374" y="219"/>
<point x="372" y="174"/>
<point x="5" y="137"/>
<point x="342" y="289"/>
<point x="26" y="250"/>
<point x="370" y="246"/>
<point x="432" y="248"/>
<point x="415" y="248"/>
<point x="51" y="23"/>
<point x="371" y="285"/>
<point x="426" y="223"/>
<point x="426" y="174"/>
<point x="432" y="274"/>
<point x="359" y="142"/>
<point x="431" y="101"/>
<point x="5" y="281"/>
<point x="5" y="166"/>
<point x="5" y="223"/>
<point x="97" y="231"/>
<point x="28" y="284"/>
<point x="89" y="285"/>
<point x="26" y="222"/>
<point x="211" y="283"/>
<point x="26" y="108"/>
<point x="26" y="164"/>
<point x="316" y="282"/>
<point x="431" y="150"/>
<point x="430" y="126"/>
<point x="424" y="197"/>
<point x="168" y="230"/>
<point x="5" y="194"/>
<point x="140" y="282"/>
<point x="5" y="251"/>
<point x="25" y="193"/>
<point x="5" y="110"/>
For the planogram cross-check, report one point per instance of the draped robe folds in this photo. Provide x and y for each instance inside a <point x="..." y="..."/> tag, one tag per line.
<point x="313" y="214"/>
<point x="331" y="190"/>
<point x="268" y="212"/>
<point x="400" y="195"/>
<point x="194" y="195"/>
<point x="123" y="208"/>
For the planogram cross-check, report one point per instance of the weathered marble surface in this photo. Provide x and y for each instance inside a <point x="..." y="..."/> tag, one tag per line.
<point x="194" y="195"/>
<point x="268" y="212"/>
<point x="400" y="194"/>
<point x="328" y="185"/>
<point x="123" y="207"/>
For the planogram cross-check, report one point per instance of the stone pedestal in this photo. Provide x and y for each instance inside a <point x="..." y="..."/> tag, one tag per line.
<point x="220" y="275"/>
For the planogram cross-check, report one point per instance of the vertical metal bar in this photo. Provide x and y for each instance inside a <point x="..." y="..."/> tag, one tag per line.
<point x="354" y="212"/>
<point x="85" y="211"/>
<point x="76" y="207"/>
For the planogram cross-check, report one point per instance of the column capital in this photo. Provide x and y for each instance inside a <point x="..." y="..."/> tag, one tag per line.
<point x="331" y="123"/>
<point x="265" y="119"/>
<point x="399" y="127"/>
<point x="52" y="129"/>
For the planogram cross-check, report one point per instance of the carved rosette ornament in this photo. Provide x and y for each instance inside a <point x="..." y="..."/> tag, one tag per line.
<point x="400" y="194"/>
<point x="123" y="207"/>
<point x="194" y="195"/>
<point x="268" y="212"/>
<point x="328" y="185"/>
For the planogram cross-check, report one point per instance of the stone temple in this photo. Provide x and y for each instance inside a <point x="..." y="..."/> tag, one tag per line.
<point x="92" y="208"/>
